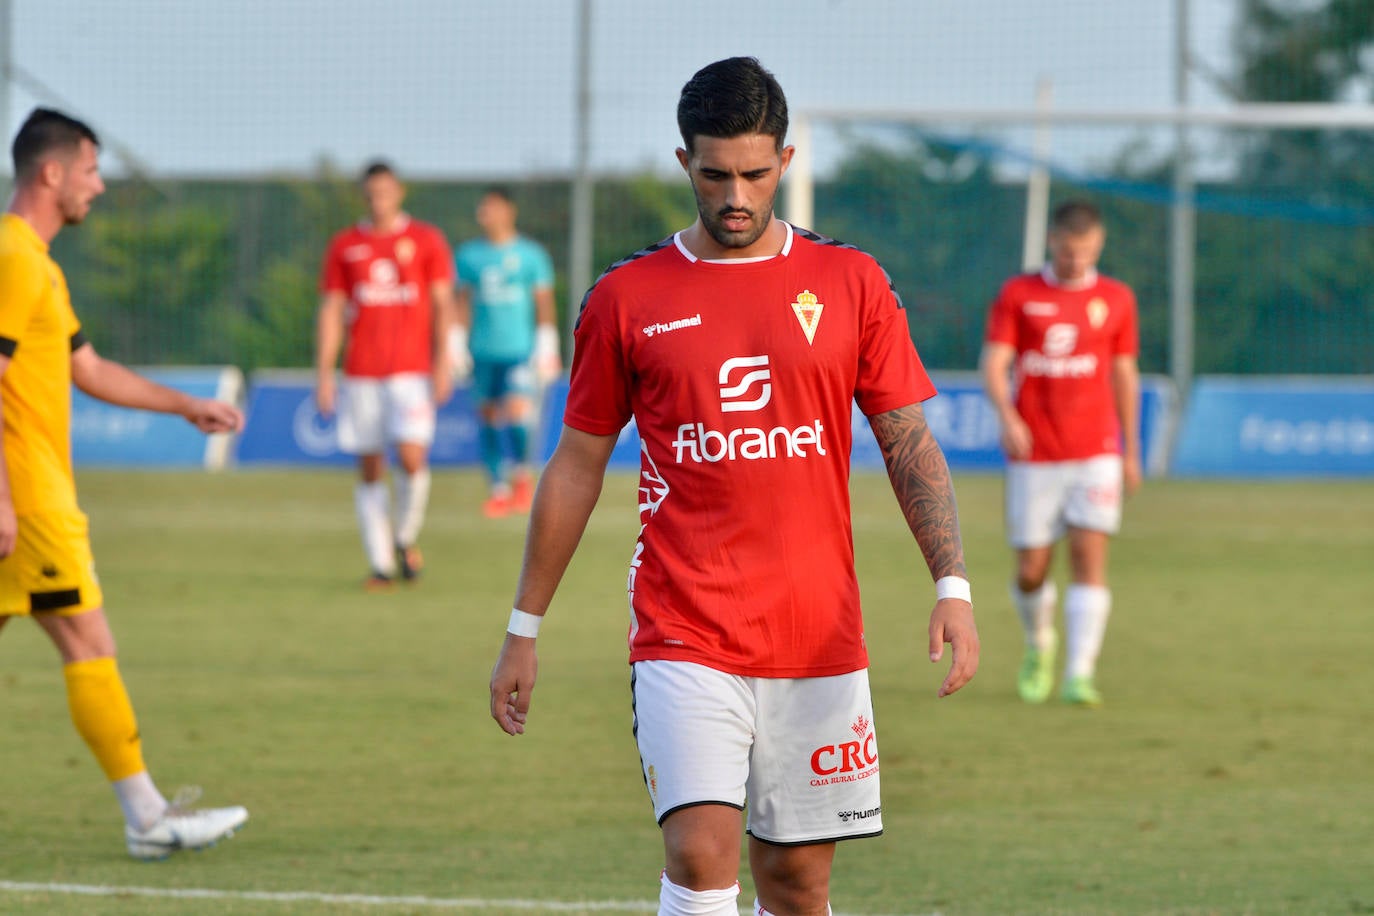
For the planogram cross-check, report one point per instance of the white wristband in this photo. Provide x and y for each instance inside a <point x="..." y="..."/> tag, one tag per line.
<point x="522" y="624"/>
<point x="545" y="342"/>
<point x="953" y="587"/>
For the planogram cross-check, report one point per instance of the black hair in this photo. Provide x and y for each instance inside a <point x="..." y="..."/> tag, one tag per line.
<point x="43" y="132"/>
<point x="1074" y="217"/>
<point x="378" y="167"/>
<point x="731" y="98"/>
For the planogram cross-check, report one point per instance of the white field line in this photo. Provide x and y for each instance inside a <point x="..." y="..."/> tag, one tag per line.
<point x="437" y="903"/>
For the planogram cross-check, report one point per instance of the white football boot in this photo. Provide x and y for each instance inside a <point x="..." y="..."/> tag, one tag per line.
<point x="183" y="827"/>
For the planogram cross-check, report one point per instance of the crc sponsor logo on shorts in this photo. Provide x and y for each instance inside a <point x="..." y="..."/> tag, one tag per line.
<point x="1056" y="359"/>
<point x="848" y="760"/>
<point x="746" y="386"/>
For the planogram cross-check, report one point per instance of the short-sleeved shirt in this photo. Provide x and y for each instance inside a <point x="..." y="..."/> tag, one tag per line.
<point x="741" y="377"/>
<point x="38" y="332"/>
<point x="1066" y="338"/>
<point x="502" y="280"/>
<point x="387" y="279"/>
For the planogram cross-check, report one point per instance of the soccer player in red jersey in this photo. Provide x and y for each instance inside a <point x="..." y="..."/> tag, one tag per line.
<point x="388" y="282"/>
<point x="1068" y="336"/>
<point x="738" y="346"/>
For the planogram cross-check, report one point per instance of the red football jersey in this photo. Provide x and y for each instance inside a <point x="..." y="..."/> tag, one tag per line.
<point x="387" y="280"/>
<point x="1066" y="338"/>
<point x="741" y="377"/>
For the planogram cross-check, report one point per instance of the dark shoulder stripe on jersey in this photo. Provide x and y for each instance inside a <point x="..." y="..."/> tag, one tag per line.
<point x="79" y="340"/>
<point x="818" y="239"/>
<point x="643" y="252"/>
<point x="7" y="347"/>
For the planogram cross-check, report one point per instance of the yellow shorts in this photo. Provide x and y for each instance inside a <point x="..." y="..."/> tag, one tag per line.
<point x="51" y="570"/>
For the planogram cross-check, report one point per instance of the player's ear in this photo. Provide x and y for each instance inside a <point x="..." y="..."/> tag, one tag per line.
<point x="786" y="154"/>
<point x="50" y="172"/>
<point x="685" y="160"/>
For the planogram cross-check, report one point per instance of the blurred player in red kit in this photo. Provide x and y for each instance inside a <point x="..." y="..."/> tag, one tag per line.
<point x="387" y="286"/>
<point x="1065" y="339"/>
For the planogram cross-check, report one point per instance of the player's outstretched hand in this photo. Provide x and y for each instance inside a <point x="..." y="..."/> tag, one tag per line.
<point x="952" y="622"/>
<point x="512" y="681"/>
<point x="442" y="385"/>
<point x="1131" y="474"/>
<point x="1016" y="439"/>
<point x="325" y="397"/>
<point x="210" y="416"/>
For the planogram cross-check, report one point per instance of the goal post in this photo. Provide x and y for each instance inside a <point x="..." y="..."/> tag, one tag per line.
<point x="1183" y="124"/>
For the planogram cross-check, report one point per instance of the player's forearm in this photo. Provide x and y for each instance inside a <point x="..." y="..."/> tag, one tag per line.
<point x="567" y="494"/>
<point x="920" y="478"/>
<point x="996" y="368"/>
<point x="114" y="383"/>
<point x="544" y="311"/>
<point x="1126" y="388"/>
<point x="328" y="337"/>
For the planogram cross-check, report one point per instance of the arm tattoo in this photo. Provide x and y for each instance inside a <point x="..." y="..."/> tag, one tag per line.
<point x="920" y="478"/>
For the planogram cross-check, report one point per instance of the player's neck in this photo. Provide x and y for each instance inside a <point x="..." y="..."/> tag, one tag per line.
<point x="45" y="221"/>
<point x="501" y="237"/>
<point x="703" y="245"/>
<point x="388" y="224"/>
<point x="1082" y="281"/>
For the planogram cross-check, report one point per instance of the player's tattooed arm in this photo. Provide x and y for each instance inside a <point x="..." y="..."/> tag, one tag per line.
<point x="920" y="478"/>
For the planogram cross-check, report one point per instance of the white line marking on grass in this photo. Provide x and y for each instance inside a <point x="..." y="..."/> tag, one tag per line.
<point x="437" y="903"/>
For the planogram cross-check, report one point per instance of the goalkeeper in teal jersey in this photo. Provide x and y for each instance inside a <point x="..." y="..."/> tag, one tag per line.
<point x="505" y="336"/>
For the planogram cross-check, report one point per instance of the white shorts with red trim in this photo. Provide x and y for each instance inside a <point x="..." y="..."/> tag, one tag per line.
<point x="801" y="753"/>
<point x="374" y="412"/>
<point x="1044" y="498"/>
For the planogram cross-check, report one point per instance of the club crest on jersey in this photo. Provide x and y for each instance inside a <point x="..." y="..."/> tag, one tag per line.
<point x="405" y="250"/>
<point x="1097" y="313"/>
<point x="808" y="311"/>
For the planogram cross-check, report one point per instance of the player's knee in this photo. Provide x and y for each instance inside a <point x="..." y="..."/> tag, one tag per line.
<point x="701" y="858"/>
<point x="792" y="883"/>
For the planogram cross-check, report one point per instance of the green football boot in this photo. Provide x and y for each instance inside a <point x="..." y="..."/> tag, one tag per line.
<point x="1079" y="691"/>
<point x="1036" y="678"/>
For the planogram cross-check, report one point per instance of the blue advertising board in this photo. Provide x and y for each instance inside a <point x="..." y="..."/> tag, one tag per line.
<point x="104" y="435"/>
<point x="283" y="426"/>
<point x="1278" y="426"/>
<point x="964" y="424"/>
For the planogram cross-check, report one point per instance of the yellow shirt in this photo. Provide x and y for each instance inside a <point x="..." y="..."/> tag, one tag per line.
<point x="38" y="332"/>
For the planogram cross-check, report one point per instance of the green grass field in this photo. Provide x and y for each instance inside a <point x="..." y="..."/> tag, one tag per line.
<point x="1231" y="771"/>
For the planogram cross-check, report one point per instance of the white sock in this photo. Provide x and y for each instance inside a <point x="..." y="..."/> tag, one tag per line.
<point x="760" y="911"/>
<point x="139" y="799"/>
<point x="412" y="498"/>
<point x="370" y="499"/>
<point x="1086" y="608"/>
<point x="1036" y="610"/>
<point x="679" y="901"/>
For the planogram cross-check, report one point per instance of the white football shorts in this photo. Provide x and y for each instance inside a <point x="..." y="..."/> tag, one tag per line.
<point x="1044" y="498"/>
<point x="802" y="753"/>
<point x="374" y="412"/>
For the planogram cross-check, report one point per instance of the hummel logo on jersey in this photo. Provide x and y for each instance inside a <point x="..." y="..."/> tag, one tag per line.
<point x="659" y="327"/>
<point x="1033" y="307"/>
<point x="742" y="395"/>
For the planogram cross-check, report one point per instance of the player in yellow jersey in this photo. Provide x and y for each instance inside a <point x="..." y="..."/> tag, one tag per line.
<point x="46" y="568"/>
